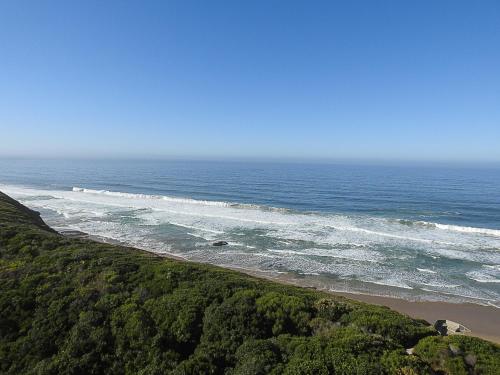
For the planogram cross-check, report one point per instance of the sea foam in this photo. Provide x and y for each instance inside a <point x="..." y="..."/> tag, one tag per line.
<point x="463" y="229"/>
<point x="350" y="247"/>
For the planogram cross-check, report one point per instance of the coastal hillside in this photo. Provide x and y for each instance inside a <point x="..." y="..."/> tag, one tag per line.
<point x="75" y="306"/>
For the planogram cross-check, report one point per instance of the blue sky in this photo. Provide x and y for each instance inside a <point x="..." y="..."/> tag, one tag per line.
<point x="403" y="80"/>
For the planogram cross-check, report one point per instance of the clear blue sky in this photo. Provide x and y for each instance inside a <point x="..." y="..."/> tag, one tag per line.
<point x="306" y="79"/>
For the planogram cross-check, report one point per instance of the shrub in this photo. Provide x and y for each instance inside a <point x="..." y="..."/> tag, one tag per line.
<point x="71" y="306"/>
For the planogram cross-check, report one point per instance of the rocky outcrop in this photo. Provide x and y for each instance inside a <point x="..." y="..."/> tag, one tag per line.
<point x="219" y="243"/>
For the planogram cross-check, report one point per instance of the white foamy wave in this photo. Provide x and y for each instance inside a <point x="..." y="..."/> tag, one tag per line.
<point x="441" y="285"/>
<point x="348" y="254"/>
<point x="492" y="266"/>
<point x="458" y="228"/>
<point x="197" y="228"/>
<point x="393" y="283"/>
<point x="288" y="227"/>
<point x="425" y="270"/>
<point x="149" y="196"/>
<point x="250" y="206"/>
<point x="287" y="252"/>
<point x="350" y="247"/>
<point x="485" y="280"/>
<point x="483" y="276"/>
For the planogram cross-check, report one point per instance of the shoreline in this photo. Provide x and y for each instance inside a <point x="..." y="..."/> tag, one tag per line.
<point x="483" y="321"/>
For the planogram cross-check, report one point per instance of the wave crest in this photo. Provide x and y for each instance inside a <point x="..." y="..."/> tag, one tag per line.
<point x="458" y="228"/>
<point x="77" y="189"/>
<point x="149" y="196"/>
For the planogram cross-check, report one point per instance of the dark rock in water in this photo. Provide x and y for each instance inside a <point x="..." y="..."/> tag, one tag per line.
<point x="219" y="243"/>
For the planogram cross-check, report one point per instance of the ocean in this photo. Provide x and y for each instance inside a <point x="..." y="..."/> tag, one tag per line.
<point x="416" y="232"/>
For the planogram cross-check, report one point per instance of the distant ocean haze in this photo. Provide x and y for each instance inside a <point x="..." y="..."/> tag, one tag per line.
<point x="430" y="233"/>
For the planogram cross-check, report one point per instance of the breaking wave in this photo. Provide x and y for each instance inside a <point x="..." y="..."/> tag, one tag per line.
<point x="149" y="196"/>
<point x="352" y="248"/>
<point x="447" y="227"/>
<point x="178" y="200"/>
<point x="462" y="229"/>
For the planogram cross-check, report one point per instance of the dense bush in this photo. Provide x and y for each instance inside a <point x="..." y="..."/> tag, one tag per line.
<point x="71" y="306"/>
<point x="460" y="355"/>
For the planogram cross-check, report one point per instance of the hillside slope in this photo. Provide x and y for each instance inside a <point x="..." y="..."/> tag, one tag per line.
<point x="70" y="306"/>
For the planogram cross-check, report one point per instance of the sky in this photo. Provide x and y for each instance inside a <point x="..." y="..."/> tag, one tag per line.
<point x="392" y="80"/>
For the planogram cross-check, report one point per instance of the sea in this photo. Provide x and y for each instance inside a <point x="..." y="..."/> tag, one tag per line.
<point x="420" y="232"/>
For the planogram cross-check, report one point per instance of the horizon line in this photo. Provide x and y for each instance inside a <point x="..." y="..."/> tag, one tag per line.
<point x="262" y="159"/>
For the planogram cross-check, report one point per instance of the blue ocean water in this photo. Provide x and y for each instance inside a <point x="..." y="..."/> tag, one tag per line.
<point x="420" y="232"/>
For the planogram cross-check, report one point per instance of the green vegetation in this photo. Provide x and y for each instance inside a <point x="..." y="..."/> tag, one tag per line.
<point x="70" y="306"/>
